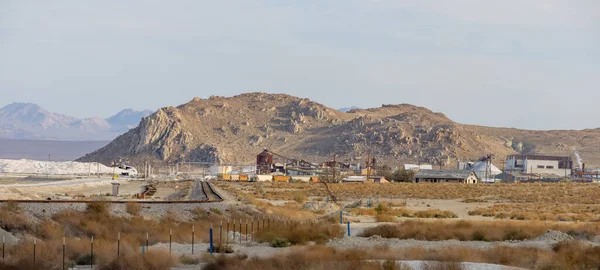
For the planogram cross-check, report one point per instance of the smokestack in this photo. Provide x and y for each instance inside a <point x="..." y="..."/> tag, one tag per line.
<point x="583" y="167"/>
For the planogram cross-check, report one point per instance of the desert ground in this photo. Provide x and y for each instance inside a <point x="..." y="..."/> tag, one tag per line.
<point x="392" y="226"/>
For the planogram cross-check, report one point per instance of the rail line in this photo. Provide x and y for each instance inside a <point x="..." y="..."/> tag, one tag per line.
<point x="210" y="193"/>
<point x="112" y="202"/>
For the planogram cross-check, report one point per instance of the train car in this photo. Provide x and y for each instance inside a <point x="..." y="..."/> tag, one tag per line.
<point x="235" y="177"/>
<point x="262" y="177"/>
<point x="227" y="177"/>
<point x="314" y="179"/>
<point x="244" y="178"/>
<point x="281" y="178"/>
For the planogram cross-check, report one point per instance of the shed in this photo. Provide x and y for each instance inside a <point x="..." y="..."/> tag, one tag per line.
<point x="445" y="176"/>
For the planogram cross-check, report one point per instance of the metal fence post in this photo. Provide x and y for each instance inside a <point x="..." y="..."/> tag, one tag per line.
<point x="348" y="228"/>
<point x="118" y="245"/>
<point x="146" y="241"/>
<point x="210" y="232"/>
<point x="170" y="239"/>
<point x="92" y="253"/>
<point x="341" y="220"/>
<point x="193" y="236"/>
<point x="64" y="251"/>
<point x="240" y="230"/>
<point x="227" y="234"/>
<point x="3" y="240"/>
<point x="34" y="244"/>
<point x="221" y="233"/>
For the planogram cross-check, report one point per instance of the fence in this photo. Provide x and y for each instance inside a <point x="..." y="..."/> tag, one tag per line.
<point x="230" y="231"/>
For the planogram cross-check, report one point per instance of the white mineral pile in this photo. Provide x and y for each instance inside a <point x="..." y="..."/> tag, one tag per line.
<point x="26" y="166"/>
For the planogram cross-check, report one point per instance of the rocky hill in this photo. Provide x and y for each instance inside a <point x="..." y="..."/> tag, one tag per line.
<point x="235" y="129"/>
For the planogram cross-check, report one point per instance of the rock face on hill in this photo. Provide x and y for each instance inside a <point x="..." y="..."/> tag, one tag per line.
<point x="235" y="129"/>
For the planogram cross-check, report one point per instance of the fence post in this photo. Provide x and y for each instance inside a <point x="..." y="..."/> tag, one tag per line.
<point x="240" y="230"/>
<point x="92" y="253"/>
<point x="64" y="251"/>
<point x="348" y="228"/>
<point x="341" y="220"/>
<point x="34" y="244"/>
<point x="193" y="236"/>
<point x="3" y="240"/>
<point x="252" y="229"/>
<point x="170" y="239"/>
<point x="118" y="245"/>
<point x="146" y="241"/>
<point x="221" y="233"/>
<point x="234" y="231"/>
<point x="210" y="232"/>
<point x="227" y="234"/>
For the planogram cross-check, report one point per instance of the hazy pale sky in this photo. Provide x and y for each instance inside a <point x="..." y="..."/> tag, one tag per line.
<point x="517" y="63"/>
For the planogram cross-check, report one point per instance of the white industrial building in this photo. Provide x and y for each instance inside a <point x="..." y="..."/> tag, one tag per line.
<point x="535" y="164"/>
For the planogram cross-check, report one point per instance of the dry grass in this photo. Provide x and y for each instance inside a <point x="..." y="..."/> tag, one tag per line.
<point x="384" y="213"/>
<point x="11" y="218"/>
<point x="573" y="193"/>
<point x="477" y="230"/>
<point x="300" y="233"/>
<point x="570" y="255"/>
<point x="290" y="210"/>
<point x="555" y="212"/>
<point x="133" y="208"/>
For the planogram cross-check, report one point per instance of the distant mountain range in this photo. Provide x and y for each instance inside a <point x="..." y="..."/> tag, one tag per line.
<point x="30" y="121"/>
<point x="347" y="109"/>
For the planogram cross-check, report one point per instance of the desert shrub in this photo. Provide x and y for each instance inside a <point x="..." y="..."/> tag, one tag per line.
<point x="97" y="209"/>
<point x="279" y="242"/>
<point x="85" y="259"/>
<point x="478" y="236"/>
<point x="216" y="211"/>
<point x="222" y="249"/>
<point x="153" y="260"/>
<point x="298" y="234"/>
<point x="133" y="208"/>
<point x="475" y="230"/>
<point x="12" y="206"/>
<point x="300" y="197"/>
<point x="189" y="260"/>
<point x="385" y="218"/>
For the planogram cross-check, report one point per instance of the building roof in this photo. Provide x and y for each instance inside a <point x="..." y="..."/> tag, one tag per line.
<point x="443" y="174"/>
<point x="539" y="157"/>
<point x="480" y="167"/>
<point x="417" y="167"/>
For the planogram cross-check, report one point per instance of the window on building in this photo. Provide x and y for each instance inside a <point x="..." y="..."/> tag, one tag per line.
<point x="549" y="167"/>
<point x="540" y="166"/>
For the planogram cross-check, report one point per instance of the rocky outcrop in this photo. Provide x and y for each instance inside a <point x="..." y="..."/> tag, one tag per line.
<point x="235" y="129"/>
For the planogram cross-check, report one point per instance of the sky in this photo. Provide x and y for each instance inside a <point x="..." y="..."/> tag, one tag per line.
<point x="531" y="64"/>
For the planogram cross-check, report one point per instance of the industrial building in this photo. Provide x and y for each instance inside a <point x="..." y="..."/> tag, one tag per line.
<point x="445" y="176"/>
<point x="537" y="164"/>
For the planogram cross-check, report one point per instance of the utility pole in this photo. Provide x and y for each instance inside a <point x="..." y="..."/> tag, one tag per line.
<point x="368" y="168"/>
<point x="334" y="164"/>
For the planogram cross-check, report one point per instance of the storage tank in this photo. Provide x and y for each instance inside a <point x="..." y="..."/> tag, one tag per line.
<point x="264" y="160"/>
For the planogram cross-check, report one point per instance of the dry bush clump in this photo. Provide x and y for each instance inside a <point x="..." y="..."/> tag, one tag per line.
<point x="476" y="230"/>
<point x="384" y="213"/>
<point x="300" y="233"/>
<point x="133" y="208"/>
<point x="552" y="212"/>
<point x="570" y="255"/>
<point x="11" y="218"/>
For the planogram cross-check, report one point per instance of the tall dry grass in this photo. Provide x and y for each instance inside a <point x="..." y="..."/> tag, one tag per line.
<point x="300" y="233"/>
<point x="573" y="193"/>
<point x="546" y="211"/>
<point x="477" y="230"/>
<point x="383" y="213"/>
<point x="568" y="255"/>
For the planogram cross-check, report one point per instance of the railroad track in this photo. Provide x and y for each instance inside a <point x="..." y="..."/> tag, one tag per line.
<point x="112" y="202"/>
<point x="209" y="193"/>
